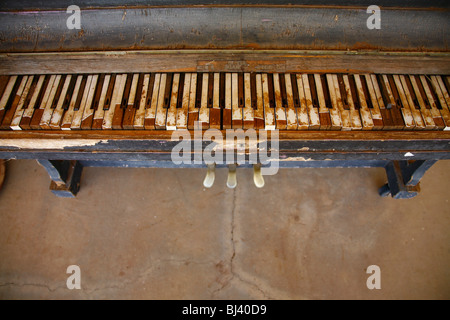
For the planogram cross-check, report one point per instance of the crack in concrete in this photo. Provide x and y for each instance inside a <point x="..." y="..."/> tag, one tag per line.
<point x="186" y="261"/>
<point x="39" y="285"/>
<point x="235" y="274"/>
<point x="233" y="226"/>
<point x="124" y="283"/>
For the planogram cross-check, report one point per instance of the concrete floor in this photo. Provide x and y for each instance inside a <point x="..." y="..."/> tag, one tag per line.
<point x="158" y="234"/>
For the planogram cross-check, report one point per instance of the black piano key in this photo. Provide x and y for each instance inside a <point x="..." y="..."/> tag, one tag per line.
<point x="271" y="90"/>
<point x="312" y="86"/>
<point x="326" y="92"/>
<point x="446" y="81"/>
<point x="138" y="94"/>
<point x="58" y="91"/>
<point x="151" y="84"/>
<point x="98" y="91"/>
<point x="126" y="92"/>
<point x="3" y="83"/>
<point x="295" y="91"/>
<point x="253" y="90"/>
<point x="384" y="92"/>
<point x="422" y="92"/>
<point x="80" y="93"/>
<point x="222" y="91"/>
<point x="69" y="93"/>
<point x="87" y="121"/>
<point x="434" y="93"/>
<point x="283" y="90"/>
<point x="7" y="113"/>
<point x="168" y="90"/>
<point x="397" y="115"/>
<point x="30" y="92"/>
<point x="198" y="92"/>
<point x="13" y="93"/>
<point x="394" y="91"/>
<point x="130" y="110"/>
<point x="412" y="92"/>
<point x="180" y="91"/>
<point x="343" y="92"/>
<point x="354" y="92"/>
<point x="42" y="92"/>
<point x="210" y="98"/>
<point x="241" y="90"/>
<point x="109" y="93"/>
<point x="366" y="92"/>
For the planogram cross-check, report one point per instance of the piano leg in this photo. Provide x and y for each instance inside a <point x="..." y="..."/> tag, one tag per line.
<point x="404" y="177"/>
<point x="65" y="176"/>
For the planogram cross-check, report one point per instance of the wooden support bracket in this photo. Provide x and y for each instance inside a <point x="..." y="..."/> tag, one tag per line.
<point x="404" y="177"/>
<point x="65" y="176"/>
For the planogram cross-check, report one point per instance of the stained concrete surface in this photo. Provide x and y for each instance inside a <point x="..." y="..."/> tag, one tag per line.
<point x="158" y="234"/>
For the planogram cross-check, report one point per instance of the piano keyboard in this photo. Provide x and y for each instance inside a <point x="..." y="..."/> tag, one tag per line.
<point x="174" y="101"/>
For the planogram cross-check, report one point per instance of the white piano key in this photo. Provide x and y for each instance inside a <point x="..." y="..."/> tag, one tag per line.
<point x="280" y="113"/>
<point x="236" y="111"/>
<point x="150" y="113"/>
<point x="248" y="112"/>
<point x="68" y="116"/>
<point x="161" y="112"/>
<point x="302" y="112"/>
<point x="183" y="113"/>
<point x="15" y="122"/>
<point x="259" y="112"/>
<point x="203" y="113"/>
<point x="48" y="111"/>
<point x="7" y="93"/>
<point x="215" y="112"/>
<point x="100" y="112"/>
<point x="335" y="112"/>
<point x="28" y="112"/>
<point x="375" y="111"/>
<point x="140" y="112"/>
<point x="415" y="113"/>
<point x="78" y="114"/>
<point x="426" y="113"/>
<point x="355" y="118"/>
<point x="406" y="110"/>
<point x="116" y="100"/>
<point x="345" y="114"/>
<point x="314" y="119"/>
<point x="171" y="122"/>
<point x="269" y="115"/>
<point x="434" y="108"/>
<point x="291" y="112"/>
<point x="366" y="115"/>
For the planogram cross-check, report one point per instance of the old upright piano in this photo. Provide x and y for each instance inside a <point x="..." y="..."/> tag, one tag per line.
<point x="343" y="83"/>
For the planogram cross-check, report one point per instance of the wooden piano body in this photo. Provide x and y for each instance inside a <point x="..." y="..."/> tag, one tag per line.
<point x="339" y="94"/>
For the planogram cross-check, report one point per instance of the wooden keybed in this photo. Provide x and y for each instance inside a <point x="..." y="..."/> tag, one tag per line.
<point x="225" y="100"/>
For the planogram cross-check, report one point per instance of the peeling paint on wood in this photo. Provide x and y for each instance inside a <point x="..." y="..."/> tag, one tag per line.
<point x="50" y="144"/>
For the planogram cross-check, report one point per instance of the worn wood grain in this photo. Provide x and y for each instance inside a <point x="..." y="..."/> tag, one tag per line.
<point x="192" y="61"/>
